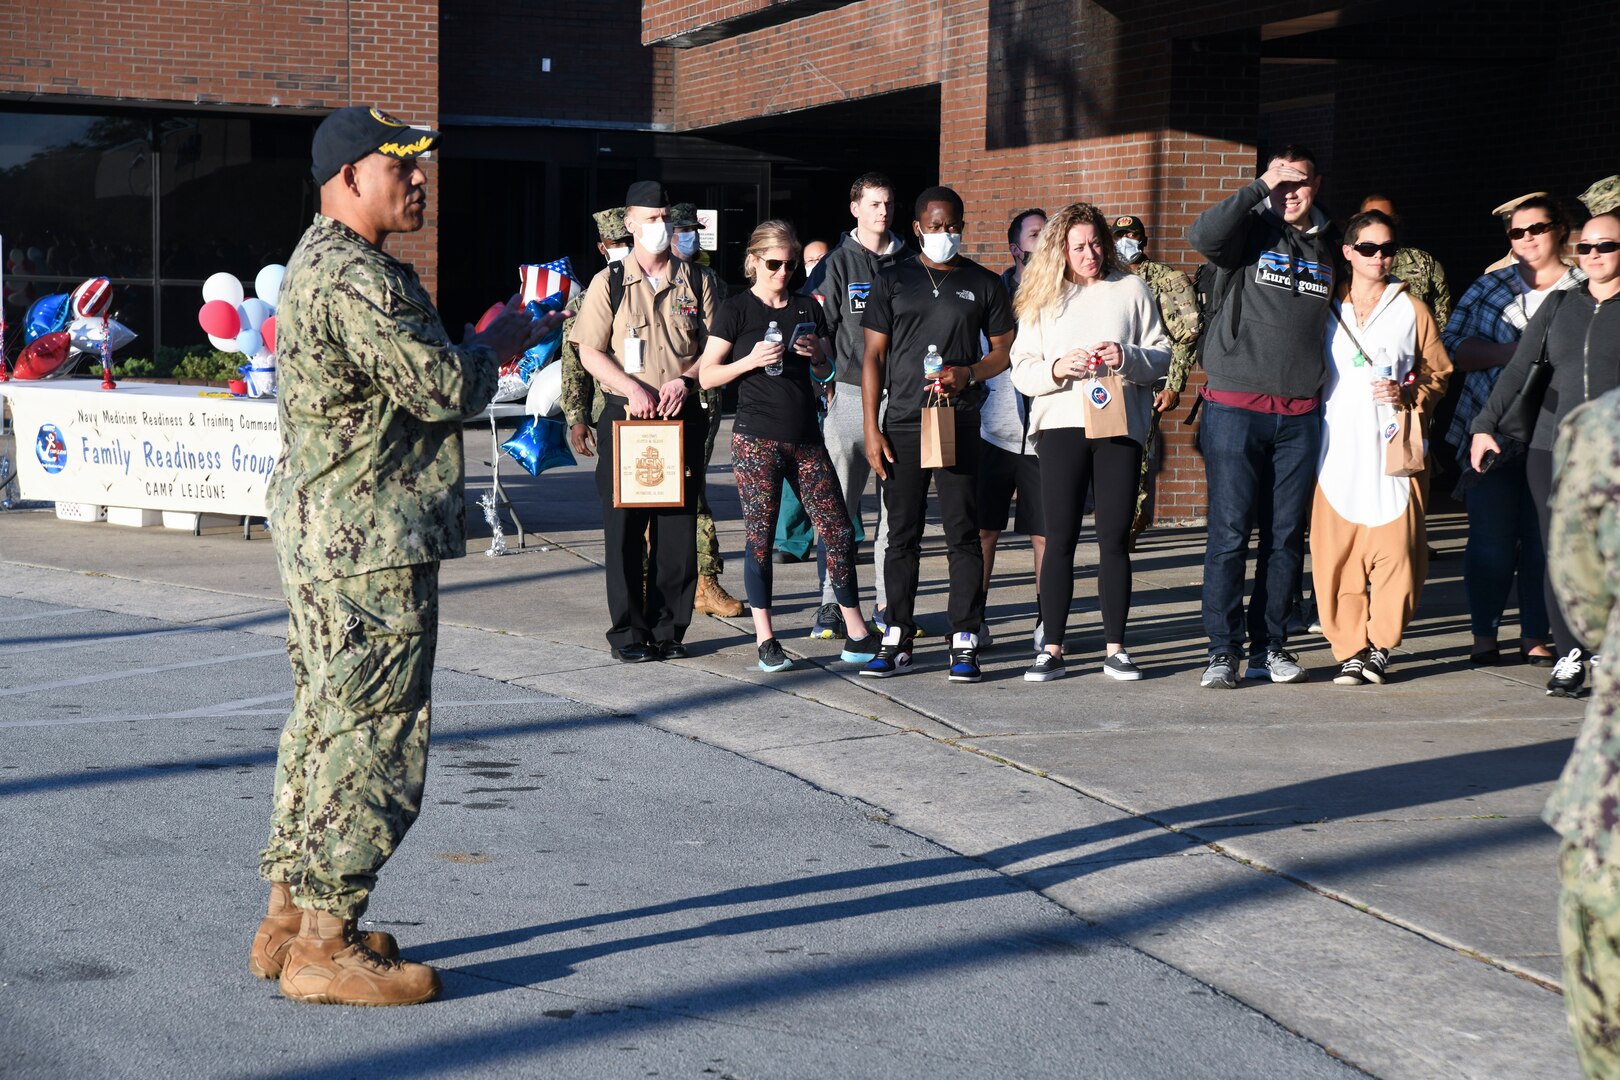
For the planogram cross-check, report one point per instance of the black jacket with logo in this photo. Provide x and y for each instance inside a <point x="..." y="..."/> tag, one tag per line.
<point x="1267" y="336"/>
<point x="843" y="281"/>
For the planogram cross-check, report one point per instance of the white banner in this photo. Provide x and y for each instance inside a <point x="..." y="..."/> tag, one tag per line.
<point x="185" y="448"/>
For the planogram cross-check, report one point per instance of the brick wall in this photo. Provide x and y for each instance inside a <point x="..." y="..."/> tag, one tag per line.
<point x="309" y="54"/>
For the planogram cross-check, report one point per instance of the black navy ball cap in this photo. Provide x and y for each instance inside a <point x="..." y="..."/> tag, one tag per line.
<point x="646" y="193"/>
<point x="351" y="133"/>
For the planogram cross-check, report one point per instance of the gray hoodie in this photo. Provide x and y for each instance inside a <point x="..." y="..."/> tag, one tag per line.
<point x="1267" y="336"/>
<point x="842" y="282"/>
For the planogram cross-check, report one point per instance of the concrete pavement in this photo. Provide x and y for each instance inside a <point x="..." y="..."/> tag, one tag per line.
<point x="1364" y="866"/>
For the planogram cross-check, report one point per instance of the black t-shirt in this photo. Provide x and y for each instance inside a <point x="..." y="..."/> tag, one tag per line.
<point x="780" y="407"/>
<point x="902" y="304"/>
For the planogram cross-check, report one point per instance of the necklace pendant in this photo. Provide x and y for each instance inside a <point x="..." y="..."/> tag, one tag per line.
<point x="936" y="294"/>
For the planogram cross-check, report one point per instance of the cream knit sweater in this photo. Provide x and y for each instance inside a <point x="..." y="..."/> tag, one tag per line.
<point x="1119" y="308"/>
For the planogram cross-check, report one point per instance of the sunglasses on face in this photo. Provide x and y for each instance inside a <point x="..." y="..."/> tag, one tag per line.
<point x="1530" y="230"/>
<point x="1367" y="249"/>
<point x="773" y="265"/>
<point x="1602" y="247"/>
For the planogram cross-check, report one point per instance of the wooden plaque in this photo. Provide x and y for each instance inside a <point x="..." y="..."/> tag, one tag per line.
<point x="649" y="466"/>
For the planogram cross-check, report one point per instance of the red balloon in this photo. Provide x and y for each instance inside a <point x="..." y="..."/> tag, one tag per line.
<point x="43" y="355"/>
<point x="93" y="298"/>
<point x="268" y="332"/>
<point x="488" y="317"/>
<point x="220" y="319"/>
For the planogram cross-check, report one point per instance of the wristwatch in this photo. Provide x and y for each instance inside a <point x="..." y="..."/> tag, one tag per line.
<point x="972" y="378"/>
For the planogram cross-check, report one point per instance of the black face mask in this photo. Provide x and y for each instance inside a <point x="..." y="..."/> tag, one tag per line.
<point x="1024" y="257"/>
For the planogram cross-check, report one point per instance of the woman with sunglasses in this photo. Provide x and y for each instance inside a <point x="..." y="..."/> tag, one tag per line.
<point x="1579" y="338"/>
<point x="1369" y="552"/>
<point x="775" y="436"/>
<point x="1503" y="537"/>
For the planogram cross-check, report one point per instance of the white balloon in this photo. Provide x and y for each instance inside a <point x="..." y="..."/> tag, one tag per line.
<point x="223" y="344"/>
<point x="267" y="285"/>
<point x="223" y="286"/>
<point x="86" y="334"/>
<point x="545" y="392"/>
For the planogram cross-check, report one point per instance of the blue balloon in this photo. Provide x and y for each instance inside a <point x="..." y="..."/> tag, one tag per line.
<point x="249" y="343"/>
<point x="47" y="315"/>
<point x="540" y="444"/>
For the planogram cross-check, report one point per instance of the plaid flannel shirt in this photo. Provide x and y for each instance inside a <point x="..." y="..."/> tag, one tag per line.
<point x="1493" y="309"/>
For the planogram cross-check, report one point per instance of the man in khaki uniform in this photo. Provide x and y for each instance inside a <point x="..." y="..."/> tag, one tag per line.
<point x="365" y="501"/>
<point x="640" y="332"/>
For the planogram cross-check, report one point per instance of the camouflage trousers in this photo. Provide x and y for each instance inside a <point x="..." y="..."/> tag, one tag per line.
<point x="710" y="564"/>
<point x="1589" y="933"/>
<point x="353" y="754"/>
<point x="1140" y="517"/>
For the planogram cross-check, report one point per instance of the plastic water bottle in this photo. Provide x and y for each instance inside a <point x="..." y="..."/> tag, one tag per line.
<point x="773" y="336"/>
<point x="1384" y="369"/>
<point x="933" y="364"/>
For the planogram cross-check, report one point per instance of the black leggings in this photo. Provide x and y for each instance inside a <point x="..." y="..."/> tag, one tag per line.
<point x="1071" y="464"/>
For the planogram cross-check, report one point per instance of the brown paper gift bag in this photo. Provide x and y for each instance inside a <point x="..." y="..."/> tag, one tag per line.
<point x="1105" y="407"/>
<point x="1403" y="444"/>
<point x="938" y="437"/>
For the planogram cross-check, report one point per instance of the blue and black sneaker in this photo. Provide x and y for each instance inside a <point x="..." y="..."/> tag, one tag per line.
<point x="771" y="656"/>
<point x="859" y="650"/>
<point x="965" y="658"/>
<point x="893" y="656"/>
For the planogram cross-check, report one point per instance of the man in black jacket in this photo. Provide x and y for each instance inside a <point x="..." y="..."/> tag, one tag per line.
<point x="1261" y="429"/>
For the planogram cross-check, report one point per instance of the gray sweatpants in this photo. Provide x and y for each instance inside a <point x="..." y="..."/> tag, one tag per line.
<point x="845" y="433"/>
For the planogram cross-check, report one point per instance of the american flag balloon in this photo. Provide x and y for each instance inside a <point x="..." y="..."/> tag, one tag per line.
<point x="541" y="280"/>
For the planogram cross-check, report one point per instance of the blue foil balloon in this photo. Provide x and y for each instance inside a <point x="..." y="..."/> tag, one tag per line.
<point x="47" y="315"/>
<point x="545" y="350"/>
<point x="540" y="444"/>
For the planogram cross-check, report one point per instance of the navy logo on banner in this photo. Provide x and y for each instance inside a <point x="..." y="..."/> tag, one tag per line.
<point x="1280" y="272"/>
<point x="858" y="292"/>
<point x="50" y="448"/>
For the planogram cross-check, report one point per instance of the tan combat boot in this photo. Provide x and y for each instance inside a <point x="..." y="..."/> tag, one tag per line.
<point x="712" y="599"/>
<point x="328" y="964"/>
<point x="280" y="926"/>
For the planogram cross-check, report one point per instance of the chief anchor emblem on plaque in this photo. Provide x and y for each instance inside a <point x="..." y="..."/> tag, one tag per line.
<point x="650" y="467"/>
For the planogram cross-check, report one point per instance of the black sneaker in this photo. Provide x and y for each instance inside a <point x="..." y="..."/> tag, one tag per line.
<point x="965" y="658"/>
<point x="1351" y="672"/>
<point x="1045" y="668"/>
<point x="1568" y="676"/>
<point x="859" y="650"/>
<point x="771" y="656"/>
<point x="1376" y="670"/>
<point x="1119" y="667"/>
<point x="829" y="623"/>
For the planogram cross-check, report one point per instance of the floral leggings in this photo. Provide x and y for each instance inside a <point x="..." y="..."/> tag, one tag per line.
<point x="761" y="465"/>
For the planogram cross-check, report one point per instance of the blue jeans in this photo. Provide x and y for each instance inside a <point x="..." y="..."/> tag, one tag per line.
<point x="1261" y="470"/>
<point x="1504" y="538"/>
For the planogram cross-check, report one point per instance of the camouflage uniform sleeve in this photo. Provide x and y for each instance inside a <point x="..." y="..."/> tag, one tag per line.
<point x="1178" y="306"/>
<point x="577" y="384"/>
<point x="395" y="337"/>
<point x="1583" y="541"/>
<point x="1440" y="295"/>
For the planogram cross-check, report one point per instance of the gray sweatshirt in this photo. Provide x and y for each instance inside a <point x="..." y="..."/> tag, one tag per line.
<point x="842" y="281"/>
<point x="1267" y="336"/>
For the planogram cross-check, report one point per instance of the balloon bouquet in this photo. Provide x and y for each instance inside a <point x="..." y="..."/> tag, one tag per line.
<point x="60" y="328"/>
<point x="540" y="443"/>
<point x="238" y="323"/>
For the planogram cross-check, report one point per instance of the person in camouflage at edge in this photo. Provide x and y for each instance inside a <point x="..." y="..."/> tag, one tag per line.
<point x="581" y="402"/>
<point x="365" y="501"/>
<point x="1583" y="560"/>
<point x="1178" y="305"/>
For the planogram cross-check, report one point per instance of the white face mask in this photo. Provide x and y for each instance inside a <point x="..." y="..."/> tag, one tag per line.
<point x="617" y="254"/>
<point x="686" y="244"/>
<point x="1129" y="250"/>
<point x="654" y="237"/>
<point x="941" y="247"/>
